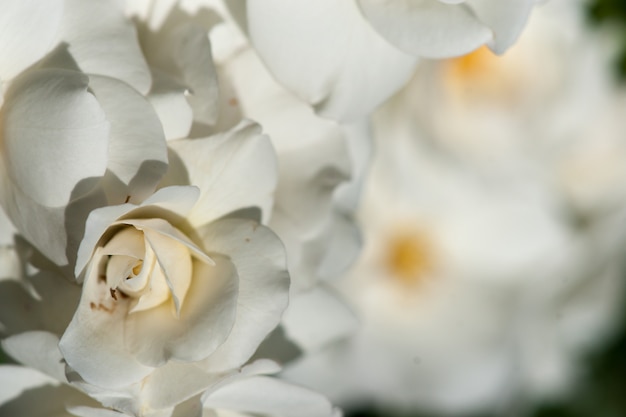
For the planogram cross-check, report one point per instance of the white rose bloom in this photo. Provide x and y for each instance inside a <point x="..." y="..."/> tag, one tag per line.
<point x="346" y="57"/>
<point x="173" y="278"/>
<point x="487" y="274"/>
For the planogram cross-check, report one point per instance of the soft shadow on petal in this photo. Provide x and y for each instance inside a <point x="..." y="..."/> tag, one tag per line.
<point x="137" y="152"/>
<point x="26" y="392"/>
<point x="169" y="101"/>
<point x="327" y="54"/>
<point x="259" y="257"/>
<point x="233" y="170"/>
<point x="38" y="350"/>
<point x="95" y="342"/>
<point x="104" y="42"/>
<point x="54" y="134"/>
<point x="206" y="319"/>
<point x="427" y="28"/>
<point x="28" y="29"/>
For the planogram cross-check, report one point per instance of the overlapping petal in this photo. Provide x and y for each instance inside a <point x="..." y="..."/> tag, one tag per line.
<point x="28" y="29"/>
<point x="428" y="28"/>
<point x="327" y="54"/>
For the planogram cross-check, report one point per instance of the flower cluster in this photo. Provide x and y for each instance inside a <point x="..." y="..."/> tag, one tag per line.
<point x="181" y="179"/>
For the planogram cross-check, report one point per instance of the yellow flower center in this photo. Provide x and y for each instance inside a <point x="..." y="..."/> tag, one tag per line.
<point x="409" y="258"/>
<point x="482" y="75"/>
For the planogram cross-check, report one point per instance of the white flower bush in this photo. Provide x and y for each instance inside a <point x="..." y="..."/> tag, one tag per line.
<point x="181" y="179"/>
<point x="489" y="271"/>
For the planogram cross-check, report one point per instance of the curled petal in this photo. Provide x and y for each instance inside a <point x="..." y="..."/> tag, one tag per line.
<point x="428" y="28"/>
<point x="205" y="320"/>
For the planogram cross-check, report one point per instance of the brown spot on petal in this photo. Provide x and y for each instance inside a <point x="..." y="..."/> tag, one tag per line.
<point x="233" y="101"/>
<point x="127" y="199"/>
<point x="113" y="293"/>
<point x="247" y="239"/>
<point x="100" y="307"/>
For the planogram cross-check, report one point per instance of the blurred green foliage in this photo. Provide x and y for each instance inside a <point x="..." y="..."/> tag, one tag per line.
<point x="613" y="12"/>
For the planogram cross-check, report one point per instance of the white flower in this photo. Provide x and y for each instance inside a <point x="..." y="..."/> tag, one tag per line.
<point x="175" y="278"/>
<point x="346" y="57"/>
<point x="477" y="286"/>
<point x="152" y="295"/>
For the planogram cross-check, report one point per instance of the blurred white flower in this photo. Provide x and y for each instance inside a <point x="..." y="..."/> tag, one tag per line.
<point x="347" y="57"/>
<point x="485" y="279"/>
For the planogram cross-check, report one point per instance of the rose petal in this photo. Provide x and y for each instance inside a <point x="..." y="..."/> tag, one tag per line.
<point x="269" y="396"/>
<point x="94" y="344"/>
<point x="83" y="411"/>
<point x="506" y="19"/>
<point x="206" y="319"/>
<point x="97" y="223"/>
<point x="223" y="167"/>
<point x="159" y="392"/>
<point x="183" y="51"/>
<point x="137" y="153"/>
<point x="176" y="199"/>
<point x="327" y="54"/>
<point x="427" y="28"/>
<point x="55" y="136"/>
<point x="166" y="229"/>
<point x="174" y="260"/>
<point x="169" y="101"/>
<point x="28" y="30"/>
<point x="164" y="202"/>
<point x="106" y="45"/>
<point x="259" y="257"/>
<point x="38" y="350"/>
<point x="16" y="379"/>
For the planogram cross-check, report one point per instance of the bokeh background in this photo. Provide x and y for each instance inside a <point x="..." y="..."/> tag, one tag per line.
<point x="602" y="392"/>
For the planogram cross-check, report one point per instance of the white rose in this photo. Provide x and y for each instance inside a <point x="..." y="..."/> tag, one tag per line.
<point x="166" y="279"/>
<point x="176" y="283"/>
